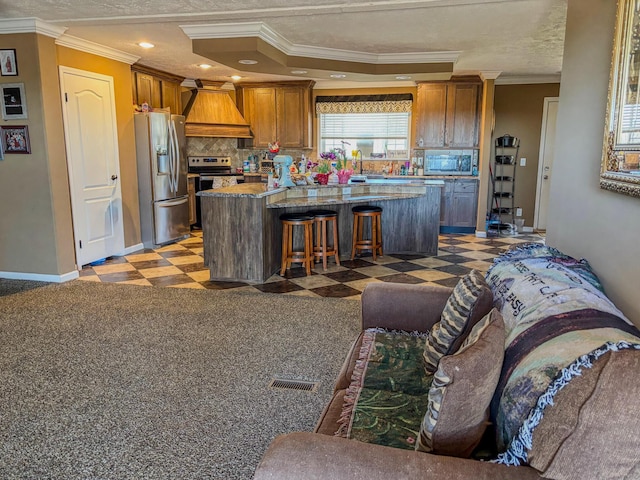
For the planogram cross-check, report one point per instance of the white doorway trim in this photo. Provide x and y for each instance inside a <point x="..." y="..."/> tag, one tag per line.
<point x="542" y="152"/>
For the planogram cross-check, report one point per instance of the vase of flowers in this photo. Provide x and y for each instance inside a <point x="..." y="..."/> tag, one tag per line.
<point x="341" y="169"/>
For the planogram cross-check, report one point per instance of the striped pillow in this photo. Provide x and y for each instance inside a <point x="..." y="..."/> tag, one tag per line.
<point x="462" y="388"/>
<point x="470" y="300"/>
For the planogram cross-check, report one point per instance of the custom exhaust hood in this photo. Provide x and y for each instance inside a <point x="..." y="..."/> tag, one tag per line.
<point x="210" y="112"/>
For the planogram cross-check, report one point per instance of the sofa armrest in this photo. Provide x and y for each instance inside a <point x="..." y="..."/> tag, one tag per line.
<point x="312" y="456"/>
<point x="399" y="306"/>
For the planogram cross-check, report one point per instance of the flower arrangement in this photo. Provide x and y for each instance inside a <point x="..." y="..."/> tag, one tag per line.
<point x="341" y="169"/>
<point x="339" y="156"/>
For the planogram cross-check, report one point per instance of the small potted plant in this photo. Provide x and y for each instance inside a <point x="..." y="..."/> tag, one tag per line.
<point x="322" y="174"/>
<point x="342" y="166"/>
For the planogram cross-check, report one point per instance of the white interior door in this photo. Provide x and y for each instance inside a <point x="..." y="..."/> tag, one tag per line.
<point x="545" y="163"/>
<point x="88" y="107"/>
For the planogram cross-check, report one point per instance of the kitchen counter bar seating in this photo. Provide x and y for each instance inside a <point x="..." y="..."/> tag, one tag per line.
<point x="321" y="250"/>
<point x="289" y="255"/>
<point x="360" y="213"/>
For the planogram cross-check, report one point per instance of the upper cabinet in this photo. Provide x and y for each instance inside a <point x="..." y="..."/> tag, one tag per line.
<point x="158" y="89"/>
<point x="448" y="114"/>
<point x="277" y="111"/>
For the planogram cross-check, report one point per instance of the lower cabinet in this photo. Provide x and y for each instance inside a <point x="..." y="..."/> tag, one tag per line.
<point x="459" y="205"/>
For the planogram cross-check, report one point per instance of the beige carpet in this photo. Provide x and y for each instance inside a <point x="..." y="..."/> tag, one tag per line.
<point x="119" y="381"/>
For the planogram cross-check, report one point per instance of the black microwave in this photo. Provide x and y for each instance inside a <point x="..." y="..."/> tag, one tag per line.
<point x="450" y="162"/>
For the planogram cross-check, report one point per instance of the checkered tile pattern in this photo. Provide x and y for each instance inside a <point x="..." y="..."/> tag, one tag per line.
<point x="180" y="265"/>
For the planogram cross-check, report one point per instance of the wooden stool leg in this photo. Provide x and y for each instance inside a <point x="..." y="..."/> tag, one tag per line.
<point x="335" y="240"/>
<point x="308" y="247"/>
<point x="323" y="247"/>
<point x="374" y="236"/>
<point x="318" y="237"/>
<point x="354" y="236"/>
<point x="285" y="251"/>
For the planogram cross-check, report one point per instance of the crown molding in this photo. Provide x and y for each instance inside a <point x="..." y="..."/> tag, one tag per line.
<point x="96" y="49"/>
<point x="30" y="25"/>
<point x="275" y="39"/>
<point x="527" y="79"/>
<point x="489" y="74"/>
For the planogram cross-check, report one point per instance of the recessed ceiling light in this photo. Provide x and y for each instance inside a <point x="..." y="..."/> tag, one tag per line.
<point x="299" y="72"/>
<point x="403" y="77"/>
<point x="204" y="65"/>
<point x="146" y="45"/>
<point x="248" y="62"/>
<point x="337" y="75"/>
<point x="235" y="77"/>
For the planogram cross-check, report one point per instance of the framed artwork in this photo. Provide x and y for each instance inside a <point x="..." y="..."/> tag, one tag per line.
<point x="15" y="139"/>
<point x="8" y="63"/>
<point x="14" y="102"/>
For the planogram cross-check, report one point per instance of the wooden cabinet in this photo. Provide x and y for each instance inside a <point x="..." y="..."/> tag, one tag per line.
<point x="279" y="111"/>
<point x="459" y="205"/>
<point x="158" y="89"/>
<point x="191" y="192"/>
<point x="448" y="115"/>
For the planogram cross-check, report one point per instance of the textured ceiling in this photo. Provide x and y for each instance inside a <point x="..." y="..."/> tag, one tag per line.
<point x="519" y="38"/>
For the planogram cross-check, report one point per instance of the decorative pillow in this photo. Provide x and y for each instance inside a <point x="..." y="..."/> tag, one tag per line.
<point x="462" y="388"/>
<point x="470" y="300"/>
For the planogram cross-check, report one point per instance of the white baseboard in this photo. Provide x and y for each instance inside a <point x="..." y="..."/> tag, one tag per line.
<point x="40" y="277"/>
<point x="527" y="229"/>
<point x="481" y="234"/>
<point x="130" y="250"/>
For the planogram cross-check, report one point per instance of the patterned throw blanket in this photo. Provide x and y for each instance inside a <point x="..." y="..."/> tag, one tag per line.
<point x="387" y="398"/>
<point x="558" y="321"/>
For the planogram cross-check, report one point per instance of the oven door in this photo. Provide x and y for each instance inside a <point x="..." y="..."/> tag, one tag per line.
<point x="207" y="182"/>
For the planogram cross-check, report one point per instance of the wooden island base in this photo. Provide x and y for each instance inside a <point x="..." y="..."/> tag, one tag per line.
<point x="242" y="233"/>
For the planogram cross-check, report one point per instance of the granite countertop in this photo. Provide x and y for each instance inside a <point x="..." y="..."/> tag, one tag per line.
<point x="316" y="201"/>
<point x="255" y="190"/>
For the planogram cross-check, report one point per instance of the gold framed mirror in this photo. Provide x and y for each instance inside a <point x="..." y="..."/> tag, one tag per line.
<point x="620" y="170"/>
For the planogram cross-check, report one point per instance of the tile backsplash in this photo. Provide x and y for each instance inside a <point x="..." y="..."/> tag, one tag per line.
<point x="228" y="147"/>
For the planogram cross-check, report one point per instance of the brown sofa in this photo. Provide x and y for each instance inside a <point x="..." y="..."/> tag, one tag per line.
<point x="591" y="431"/>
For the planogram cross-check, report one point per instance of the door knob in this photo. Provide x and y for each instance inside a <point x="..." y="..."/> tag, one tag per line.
<point x="114" y="177"/>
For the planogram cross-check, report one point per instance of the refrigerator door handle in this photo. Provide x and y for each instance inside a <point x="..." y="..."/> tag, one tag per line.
<point x="177" y="201"/>
<point x="176" y="155"/>
<point x="171" y="157"/>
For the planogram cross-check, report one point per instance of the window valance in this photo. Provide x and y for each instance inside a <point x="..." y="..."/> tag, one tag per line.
<point x="390" y="103"/>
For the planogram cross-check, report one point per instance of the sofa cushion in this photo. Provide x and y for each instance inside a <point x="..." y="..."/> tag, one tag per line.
<point x="469" y="302"/>
<point x="604" y="442"/>
<point x="461" y="391"/>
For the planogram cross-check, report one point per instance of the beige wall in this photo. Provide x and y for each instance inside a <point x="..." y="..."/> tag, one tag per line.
<point x="121" y="73"/>
<point x="518" y="110"/>
<point x="36" y="229"/>
<point x="585" y="221"/>
<point x="35" y="216"/>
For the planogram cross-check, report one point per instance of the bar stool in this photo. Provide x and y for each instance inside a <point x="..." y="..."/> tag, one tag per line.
<point x="289" y="256"/>
<point x="320" y="248"/>
<point x="361" y="212"/>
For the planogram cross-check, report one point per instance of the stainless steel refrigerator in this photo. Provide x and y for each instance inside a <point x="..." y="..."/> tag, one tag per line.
<point x="162" y="178"/>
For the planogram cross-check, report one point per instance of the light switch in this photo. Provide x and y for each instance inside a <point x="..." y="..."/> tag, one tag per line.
<point x="523" y="162"/>
<point x="518" y="212"/>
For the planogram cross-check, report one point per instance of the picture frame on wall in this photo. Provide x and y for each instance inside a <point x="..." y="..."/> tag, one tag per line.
<point x="8" y="63"/>
<point x="15" y="139"/>
<point x="13" y="101"/>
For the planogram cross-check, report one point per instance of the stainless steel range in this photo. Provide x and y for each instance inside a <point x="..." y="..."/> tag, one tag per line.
<point x="208" y="168"/>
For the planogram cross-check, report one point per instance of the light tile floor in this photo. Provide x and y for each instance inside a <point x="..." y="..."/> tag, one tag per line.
<point x="180" y="265"/>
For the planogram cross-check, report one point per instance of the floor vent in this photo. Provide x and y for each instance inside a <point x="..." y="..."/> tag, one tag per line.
<point x="283" y="383"/>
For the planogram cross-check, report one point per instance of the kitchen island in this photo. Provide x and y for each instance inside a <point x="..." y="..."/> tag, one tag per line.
<point x="242" y="233"/>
